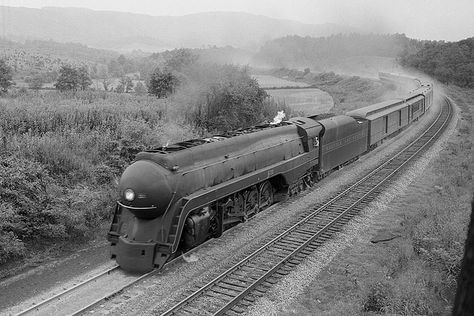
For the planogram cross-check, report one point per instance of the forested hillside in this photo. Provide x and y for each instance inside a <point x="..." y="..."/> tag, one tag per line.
<point x="297" y="51"/>
<point x="46" y="55"/>
<point x="449" y="62"/>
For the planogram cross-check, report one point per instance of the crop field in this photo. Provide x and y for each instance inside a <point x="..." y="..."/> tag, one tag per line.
<point x="267" y="81"/>
<point x="306" y="101"/>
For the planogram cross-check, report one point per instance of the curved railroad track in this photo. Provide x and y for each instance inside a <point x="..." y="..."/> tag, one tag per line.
<point x="251" y="277"/>
<point x="239" y="286"/>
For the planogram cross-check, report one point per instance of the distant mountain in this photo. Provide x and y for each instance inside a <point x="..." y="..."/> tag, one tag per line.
<point x="127" y="31"/>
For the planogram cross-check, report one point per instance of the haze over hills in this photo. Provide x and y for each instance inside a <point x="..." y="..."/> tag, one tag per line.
<point x="127" y="31"/>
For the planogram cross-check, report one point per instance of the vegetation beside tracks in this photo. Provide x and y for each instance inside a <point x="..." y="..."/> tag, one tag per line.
<point x="60" y="158"/>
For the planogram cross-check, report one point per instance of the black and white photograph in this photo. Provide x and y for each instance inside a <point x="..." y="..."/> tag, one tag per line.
<point x="236" y="157"/>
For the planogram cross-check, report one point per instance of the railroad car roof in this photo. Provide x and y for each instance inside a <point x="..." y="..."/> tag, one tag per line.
<point x="415" y="99"/>
<point x="417" y="92"/>
<point x="378" y="109"/>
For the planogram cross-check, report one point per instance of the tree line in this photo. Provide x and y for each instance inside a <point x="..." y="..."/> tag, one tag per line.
<point x="210" y="97"/>
<point x="298" y="51"/>
<point x="449" y="62"/>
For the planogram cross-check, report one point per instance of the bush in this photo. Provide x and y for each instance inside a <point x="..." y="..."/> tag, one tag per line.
<point x="162" y="83"/>
<point x="220" y="98"/>
<point x="69" y="150"/>
<point x="6" y="75"/>
<point x="27" y="190"/>
<point x="10" y="246"/>
<point x="377" y="296"/>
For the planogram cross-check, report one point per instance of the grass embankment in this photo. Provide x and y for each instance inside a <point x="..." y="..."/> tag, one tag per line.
<point x="61" y="157"/>
<point x="416" y="273"/>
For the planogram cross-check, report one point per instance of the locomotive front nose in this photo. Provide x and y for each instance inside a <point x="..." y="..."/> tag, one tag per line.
<point x="144" y="189"/>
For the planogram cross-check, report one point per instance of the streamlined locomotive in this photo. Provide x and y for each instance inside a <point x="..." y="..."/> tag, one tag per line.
<point x="175" y="197"/>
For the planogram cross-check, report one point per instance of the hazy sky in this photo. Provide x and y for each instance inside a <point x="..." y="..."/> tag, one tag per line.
<point x="423" y="19"/>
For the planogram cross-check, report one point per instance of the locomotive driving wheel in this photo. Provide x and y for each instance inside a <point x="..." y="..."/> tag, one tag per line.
<point x="265" y="195"/>
<point x="251" y="202"/>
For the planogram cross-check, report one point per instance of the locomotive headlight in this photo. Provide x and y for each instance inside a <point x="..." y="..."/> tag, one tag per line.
<point x="129" y="195"/>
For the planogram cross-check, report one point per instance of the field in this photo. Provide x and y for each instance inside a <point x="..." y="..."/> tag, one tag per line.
<point x="308" y="101"/>
<point x="267" y="81"/>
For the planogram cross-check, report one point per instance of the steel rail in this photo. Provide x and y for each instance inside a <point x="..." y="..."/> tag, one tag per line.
<point x="67" y="291"/>
<point x="43" y="304"/>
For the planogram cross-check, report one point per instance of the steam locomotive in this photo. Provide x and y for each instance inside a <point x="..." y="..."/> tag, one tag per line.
<point x="173" y="198"/>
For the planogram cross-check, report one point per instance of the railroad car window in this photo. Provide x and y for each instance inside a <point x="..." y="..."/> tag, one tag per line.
<point x="415" y="107"/>
<point x="399" y="117"/>
<point x="386" y="124"/>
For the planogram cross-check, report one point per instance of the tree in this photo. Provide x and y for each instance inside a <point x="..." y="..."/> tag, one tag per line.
<point x="140" y="88"/>
<point x="36" y="82"/>
<point x="120" y="88"/>
<point x="178" y="59"/>
<point x="6" y="77"/>
<point x="68" y="79"/>
<point x="106" y="83"/>
<point x="115" y="69"/>
<point x="127" y="83"/>
<point x="162" y="84"/>
<point x="226" y="97"/>
<point x="83" y="78"/>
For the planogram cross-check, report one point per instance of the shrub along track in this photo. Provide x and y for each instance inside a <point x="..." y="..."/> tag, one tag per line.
<point x="252" y="276"/>
<point x="240" y="285"/>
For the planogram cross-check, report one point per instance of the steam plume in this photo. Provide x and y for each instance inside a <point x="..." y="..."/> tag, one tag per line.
<point x="279" y="117"/>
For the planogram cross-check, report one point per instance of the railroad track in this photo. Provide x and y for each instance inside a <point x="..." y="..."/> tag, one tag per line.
<point x="239" y="286"/>
<point x="90" y="292"/>
<point x="85" y="294"/>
